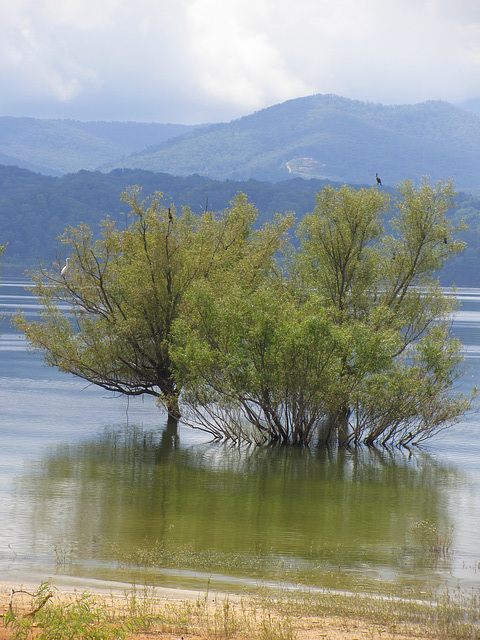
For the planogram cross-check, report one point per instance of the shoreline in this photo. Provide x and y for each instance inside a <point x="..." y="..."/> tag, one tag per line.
<point x="71" y="585"/>
<point x="176" y="613"/>
<point x="211" y="618"/>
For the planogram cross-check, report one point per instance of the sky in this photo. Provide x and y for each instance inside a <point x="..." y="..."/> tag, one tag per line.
<point x="198" y="61"/>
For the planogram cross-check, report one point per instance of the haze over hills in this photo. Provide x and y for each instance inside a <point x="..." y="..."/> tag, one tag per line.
<point x="56" y="147"/>
<point x="329" y="137"/>
<point x="320" y="136"/>
<point x="472" y="104"/>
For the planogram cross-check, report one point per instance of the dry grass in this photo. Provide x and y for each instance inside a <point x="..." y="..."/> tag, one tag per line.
<point x="147" y="615"/>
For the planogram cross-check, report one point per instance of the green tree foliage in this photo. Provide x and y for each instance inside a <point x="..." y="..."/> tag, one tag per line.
<point x="256" y="362"/>
<point x="350" y="344"/>
<point x="35" y="209"/>
<point x="125" y="290"/>
<point x="345" y="339"/>
<point x="398" y="364"/>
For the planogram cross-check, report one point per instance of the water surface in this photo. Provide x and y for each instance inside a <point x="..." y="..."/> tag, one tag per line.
<point x="94" y="486"/>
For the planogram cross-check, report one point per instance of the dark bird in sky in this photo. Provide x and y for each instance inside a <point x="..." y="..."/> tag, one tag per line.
<point x="378" y="179"/>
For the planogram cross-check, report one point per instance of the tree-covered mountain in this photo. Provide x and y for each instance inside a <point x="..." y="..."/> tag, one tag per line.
<point x="56" y="147"/>
<point x="331" y="138"/>
<point x="472" y="104"/>
<point x="321" y="136"/>
<point x="35" y="209"/>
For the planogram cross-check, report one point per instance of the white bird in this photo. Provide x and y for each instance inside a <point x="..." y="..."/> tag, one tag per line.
<point x="65" y="268"/>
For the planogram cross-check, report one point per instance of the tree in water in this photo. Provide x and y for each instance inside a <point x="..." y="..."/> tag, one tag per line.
<point x="398" y="364"/>
<point x="125" y="291"/>
<point x="345" y="339"/>
<point x="349" y="344"/>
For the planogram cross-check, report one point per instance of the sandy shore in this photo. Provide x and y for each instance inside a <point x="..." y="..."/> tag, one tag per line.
<point x="116" y="596"/>
<point x="70" y="585"/>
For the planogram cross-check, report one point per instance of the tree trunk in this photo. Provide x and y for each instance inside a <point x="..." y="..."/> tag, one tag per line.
<point x="342" y="424"/>
<point x="169" y="441"/>
<point x="172" y="407"/>
<point x="335" y="428"/>
<point x="169" y="397"/>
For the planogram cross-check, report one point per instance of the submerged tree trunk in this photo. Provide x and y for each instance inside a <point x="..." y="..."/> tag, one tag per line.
<point x="169" y="440"/>
<point x="169" y="397"/>
<point x="335" y="428"/>
<point x="172" y="407"/>
<point x="342" y="424"/>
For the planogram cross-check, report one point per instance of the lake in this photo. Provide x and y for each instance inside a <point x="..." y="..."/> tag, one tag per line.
<point x="98" y="487"/>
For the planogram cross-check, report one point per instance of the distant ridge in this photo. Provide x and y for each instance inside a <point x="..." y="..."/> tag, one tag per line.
<point x="332" y="138"/>
<point x="320" y="136"/>
<point x="473" y="105"/>
<point x="56" y="147"/>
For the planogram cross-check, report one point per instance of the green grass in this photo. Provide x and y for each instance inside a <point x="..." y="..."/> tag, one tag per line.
<point x="318" y="568"/>
<point x="450" y="615"/>
<point x="86" y="617"/>
<point x="82" y="618"/>
<point x="267" y="616"/>
<point x="431" y="538"/>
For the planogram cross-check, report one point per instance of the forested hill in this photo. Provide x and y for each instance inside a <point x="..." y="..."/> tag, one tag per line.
<point x="56" y="147"/>
<point x="35" y="209"/>
<point x="333" y="138"/>
<point x="321" y="136"/>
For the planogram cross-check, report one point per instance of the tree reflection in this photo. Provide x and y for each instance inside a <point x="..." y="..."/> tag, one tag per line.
<point x="329" y="517"/>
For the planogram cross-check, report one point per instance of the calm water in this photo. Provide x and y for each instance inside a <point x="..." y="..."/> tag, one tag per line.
<point x="91" y="484"/>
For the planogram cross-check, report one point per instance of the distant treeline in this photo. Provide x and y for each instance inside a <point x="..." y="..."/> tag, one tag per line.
<point x="35" y="209"/>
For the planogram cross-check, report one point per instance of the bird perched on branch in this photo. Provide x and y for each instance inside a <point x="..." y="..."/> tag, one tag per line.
<point x="378" y="179"/>
<point x="170" y="217"/>
<point x="65" y="268"/>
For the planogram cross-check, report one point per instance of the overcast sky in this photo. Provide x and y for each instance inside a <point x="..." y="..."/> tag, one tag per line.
<point x="193" y="61"/>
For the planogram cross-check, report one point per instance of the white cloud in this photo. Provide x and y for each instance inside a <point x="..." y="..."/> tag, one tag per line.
<point x="84" y="15"/>
<point x="234" y="59"/>
<point x="204" y="60"/>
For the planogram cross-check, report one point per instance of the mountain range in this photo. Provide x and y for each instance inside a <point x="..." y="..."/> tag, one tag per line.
<point x="332" y="138"/>
<point x="56" y="173"/>
<point x="321" y="136"/>
<point x="57" y="147"/>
